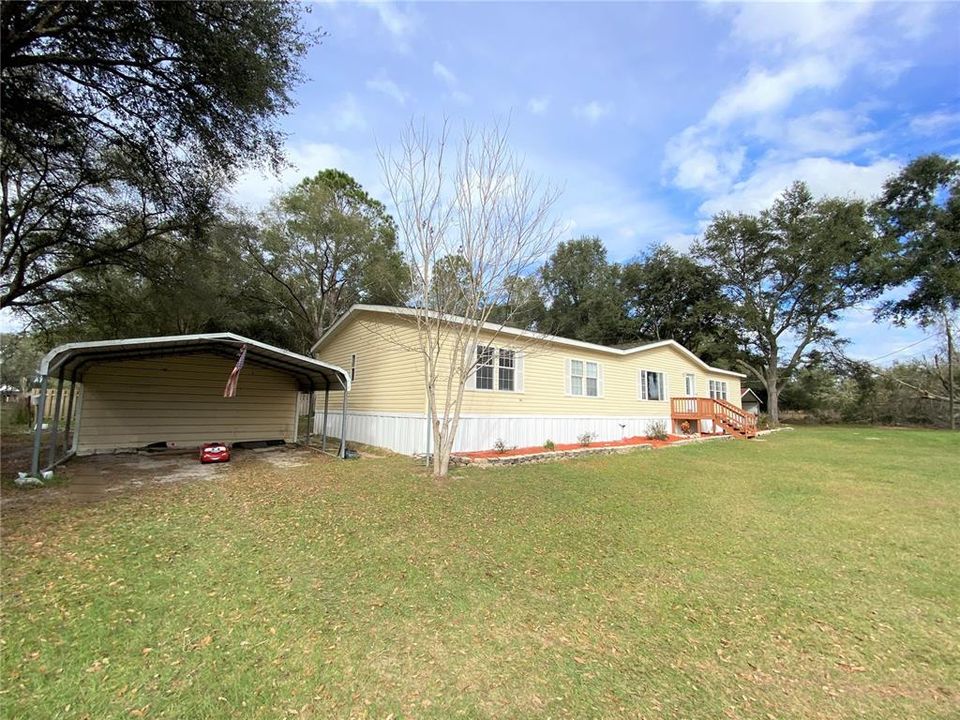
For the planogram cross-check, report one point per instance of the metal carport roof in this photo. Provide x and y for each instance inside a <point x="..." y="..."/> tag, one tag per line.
<point x="73" y="358"/>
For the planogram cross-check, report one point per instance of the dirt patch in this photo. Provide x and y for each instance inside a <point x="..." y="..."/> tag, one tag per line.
<point x="16" y="449"/>
<point x="287" y="459"/>
<point x="96" y="478"/>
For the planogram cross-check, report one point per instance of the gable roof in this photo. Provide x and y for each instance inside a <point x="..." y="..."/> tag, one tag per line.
<point x="517" y="332"/>
<point x="748" y="391"/>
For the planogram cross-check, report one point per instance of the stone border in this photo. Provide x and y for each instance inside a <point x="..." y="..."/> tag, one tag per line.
<point x="770" y="431"/>
<point x="547" y="456"/>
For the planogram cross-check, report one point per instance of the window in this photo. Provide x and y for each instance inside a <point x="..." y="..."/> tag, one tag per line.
<point x="690" y="385"/>
<point x="505" y="370"/>
<point x="584" y="378"/>
<point x="485" y="368"/>
<point x="718" y="389"/>
<point x="498" y="369"/>
<point x="652" y="385"/>
<point x="576" y="377"/>
<point x="353" y="367"/>
<point x="592" y="387"/>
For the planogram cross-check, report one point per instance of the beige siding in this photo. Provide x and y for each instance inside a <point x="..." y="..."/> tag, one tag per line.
<point x="545" y="382"/>
<point x="389" y="375"/>
<point x="133" y="403"/>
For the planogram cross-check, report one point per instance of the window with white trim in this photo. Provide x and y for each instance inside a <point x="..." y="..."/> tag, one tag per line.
<point x="506" y="369"/>
<point x="718" y="389"/>
<point x="584" y="378"/>
<point x="653" y="385"/>
<point x="690" y="385"/>
<point x="484" y="373"/>
<point x="498" y="369"/>
<point x="353" y="367"/>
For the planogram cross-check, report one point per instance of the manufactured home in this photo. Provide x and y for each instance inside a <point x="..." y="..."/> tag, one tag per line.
<point x="527" y="387"/>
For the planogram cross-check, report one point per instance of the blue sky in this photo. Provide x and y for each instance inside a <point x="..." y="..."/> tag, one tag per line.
<point x="650" y="116"/>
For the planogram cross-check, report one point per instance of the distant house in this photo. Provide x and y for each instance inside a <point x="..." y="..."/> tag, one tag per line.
<point x="528" y="387"/>
<point x="750" y="401"/>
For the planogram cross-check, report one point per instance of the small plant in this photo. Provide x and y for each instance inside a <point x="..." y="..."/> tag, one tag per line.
<point x="586" y="439"/>
<point x="549" y="445"/>
<point x="685" y="427"/>
<point x="499" y="447"/>
<point x="657" y="430"/>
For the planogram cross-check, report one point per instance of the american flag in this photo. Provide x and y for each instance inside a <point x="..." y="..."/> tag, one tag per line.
<point x="231" y="389"/>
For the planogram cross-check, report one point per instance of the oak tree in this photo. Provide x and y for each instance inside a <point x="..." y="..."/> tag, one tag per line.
<point x="790" y="271"/>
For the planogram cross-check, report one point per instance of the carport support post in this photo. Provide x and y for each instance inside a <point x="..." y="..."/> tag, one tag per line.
<point x="311" y="411"/>
<point x="326" y="405"/>
<point x="343" y="426"/>
<point x="55" y="420"/>
<point x="38" y="429"/>
<point x="66" y="427"/>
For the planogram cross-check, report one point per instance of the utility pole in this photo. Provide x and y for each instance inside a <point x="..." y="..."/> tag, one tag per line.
<point x="951" y="397"/>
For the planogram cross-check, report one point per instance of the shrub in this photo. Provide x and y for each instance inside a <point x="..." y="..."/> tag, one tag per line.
<point x="499" y="447"/>
<point x="685" y="427"/>
<point x="548" y="445"/>
<point x="586" y="439"/>
<point x="657" y="430"/>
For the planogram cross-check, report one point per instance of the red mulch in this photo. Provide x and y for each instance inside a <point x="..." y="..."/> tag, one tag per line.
<point x="637" y="440"/>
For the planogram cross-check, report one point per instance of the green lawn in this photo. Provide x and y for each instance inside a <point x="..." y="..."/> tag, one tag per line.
<point x="813" y="574"/>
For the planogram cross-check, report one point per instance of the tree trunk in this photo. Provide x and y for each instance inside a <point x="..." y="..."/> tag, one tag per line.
<point x="438" y="438"/>
<point x="442" y="449"/>
<point x="773" y="394"/>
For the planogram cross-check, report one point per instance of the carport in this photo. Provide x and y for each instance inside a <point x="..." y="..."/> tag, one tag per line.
<point x="127" y="394"/>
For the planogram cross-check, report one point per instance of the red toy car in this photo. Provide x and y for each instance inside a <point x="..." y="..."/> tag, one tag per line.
<point x="214" y="452"/>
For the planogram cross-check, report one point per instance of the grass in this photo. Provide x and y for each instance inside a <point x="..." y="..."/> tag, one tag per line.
<point x="810" y="575"/>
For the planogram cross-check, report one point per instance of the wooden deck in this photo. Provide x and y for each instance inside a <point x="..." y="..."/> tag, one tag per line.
<point x="734" y="421"/>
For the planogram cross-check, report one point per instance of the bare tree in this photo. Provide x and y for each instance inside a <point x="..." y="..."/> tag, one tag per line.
<point x="471" y="218"/>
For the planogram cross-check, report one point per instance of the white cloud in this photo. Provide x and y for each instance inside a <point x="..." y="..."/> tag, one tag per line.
<point x="935" y="123"/>
<point x="447" y="75"/>
<point x="825" y="176"/>
<point x="397" y="22"/>
<point x="681" y="242"/>
<point x="764" y="92"/>
<point x="809" y="49"/>
<point x="347" y="114"/>
<point x="387" y="87"/>
<point x="700" y="162"/>
<point x="255" y="187"/>
<point x="709" y="155"/>
<point x="538" y="105"/>
<point x="444" y="73"/>
<point x="916" y="19"/>
<point x="794" y="25"/>
<point x="832" y="132"/>
<point x="592" y="111"/>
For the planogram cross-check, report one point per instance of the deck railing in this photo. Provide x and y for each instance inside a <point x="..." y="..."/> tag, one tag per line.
<point x="722" y="411"/>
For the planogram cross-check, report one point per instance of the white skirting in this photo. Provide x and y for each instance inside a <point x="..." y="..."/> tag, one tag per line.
<point x="406" y="433"/>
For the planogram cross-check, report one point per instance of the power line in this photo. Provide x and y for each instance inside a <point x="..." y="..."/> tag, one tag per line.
<point x="906" y="347"/>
